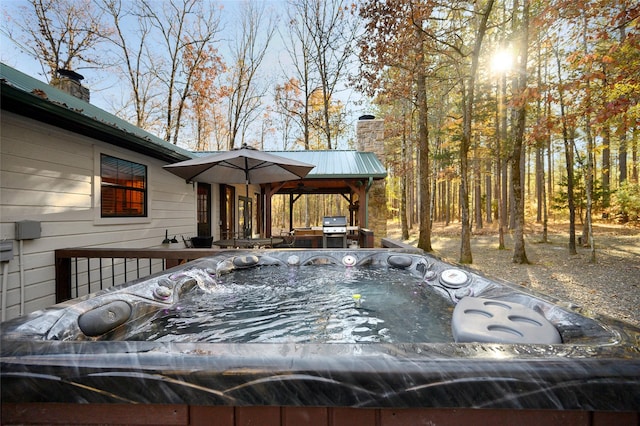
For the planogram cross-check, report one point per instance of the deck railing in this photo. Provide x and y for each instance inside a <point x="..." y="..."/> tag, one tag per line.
<point x="80" y="271"/>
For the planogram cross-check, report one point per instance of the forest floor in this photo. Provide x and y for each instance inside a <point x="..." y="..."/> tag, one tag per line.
<point x="611" y="286"/>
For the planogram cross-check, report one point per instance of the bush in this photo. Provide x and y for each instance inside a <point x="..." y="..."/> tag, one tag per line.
<point x="626" y="201"/>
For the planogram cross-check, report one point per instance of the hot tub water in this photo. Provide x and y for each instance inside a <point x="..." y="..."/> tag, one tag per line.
<point x="280" y="304"/>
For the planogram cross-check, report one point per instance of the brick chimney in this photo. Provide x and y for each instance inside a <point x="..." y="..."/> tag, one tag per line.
<point x="69" y="81"/>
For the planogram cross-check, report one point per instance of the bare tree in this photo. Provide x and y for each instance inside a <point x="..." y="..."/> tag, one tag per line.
<point x="303" y="80"/>
<point x="248" y="52"/>
<point x="327" y="37"/>
<point x="180" y="25"/>
<point x="290" y="110"/>
<point x="134" y="62"/>
<point x="60" y="34"/>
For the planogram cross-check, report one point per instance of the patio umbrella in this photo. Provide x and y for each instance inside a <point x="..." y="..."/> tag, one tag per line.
<point x="245" y="165"/>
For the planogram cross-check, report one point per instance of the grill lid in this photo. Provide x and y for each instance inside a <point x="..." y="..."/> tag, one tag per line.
<point x="334" y="221"/>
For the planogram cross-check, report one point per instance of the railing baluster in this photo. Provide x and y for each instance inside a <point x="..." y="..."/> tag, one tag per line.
<point x="75" y="261"/>
<point x="88" y="275"/>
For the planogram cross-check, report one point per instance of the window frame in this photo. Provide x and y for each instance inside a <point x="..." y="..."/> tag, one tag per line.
<point x="144" y="191"/>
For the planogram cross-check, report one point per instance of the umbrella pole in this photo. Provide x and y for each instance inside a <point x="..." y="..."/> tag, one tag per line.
<point x="246" y="202"/>
<point x="246" y="206"/>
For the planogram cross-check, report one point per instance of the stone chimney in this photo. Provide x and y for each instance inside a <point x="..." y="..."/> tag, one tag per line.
<point x="69" y="81"/>
<point x="370" y="138"/>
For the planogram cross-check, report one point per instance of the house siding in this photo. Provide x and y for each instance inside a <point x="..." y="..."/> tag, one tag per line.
<point x="51" y="175"/>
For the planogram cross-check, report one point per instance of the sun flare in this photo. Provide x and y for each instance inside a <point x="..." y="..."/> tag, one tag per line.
<point x="501" y="61"/>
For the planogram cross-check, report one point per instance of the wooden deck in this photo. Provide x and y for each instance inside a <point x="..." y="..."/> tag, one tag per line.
<point x="158" y="414"/>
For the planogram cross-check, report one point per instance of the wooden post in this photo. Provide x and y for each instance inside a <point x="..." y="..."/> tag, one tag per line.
<point x="63" y="277"/>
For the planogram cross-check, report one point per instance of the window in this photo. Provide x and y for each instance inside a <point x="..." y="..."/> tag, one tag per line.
<point x="123" y="189"/>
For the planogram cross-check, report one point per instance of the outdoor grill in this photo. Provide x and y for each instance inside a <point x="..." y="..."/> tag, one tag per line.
<point x="334" y="228"/>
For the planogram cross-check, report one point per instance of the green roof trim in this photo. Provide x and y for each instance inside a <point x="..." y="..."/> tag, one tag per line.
<point x="27" y="96"/>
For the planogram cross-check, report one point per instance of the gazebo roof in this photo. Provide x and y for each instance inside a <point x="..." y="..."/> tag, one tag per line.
<point x="333" y="164"/>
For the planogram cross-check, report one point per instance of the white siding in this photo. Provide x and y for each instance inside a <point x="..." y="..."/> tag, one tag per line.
<point x="50" y="175"/>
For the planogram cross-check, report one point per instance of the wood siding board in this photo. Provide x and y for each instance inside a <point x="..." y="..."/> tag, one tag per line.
<point x="34" y="166"/>
<point x="72" y="184"/>
<point x="27" y="198"/>
<point x="11" y="214"/>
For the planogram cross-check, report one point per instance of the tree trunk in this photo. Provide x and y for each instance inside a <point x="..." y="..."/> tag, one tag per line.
<point x="568" y="154"/>
<point x="622" y="153"/>
<point x="465" y="234"/>
<point x="424" y="239"/>
<point x="539" y="181"/>
<point x="545" y="218"/>
<point x="468" y="100"/>
<point x="622" y="156"/>
<point x="519" y="252"/>
<point x="634" y="154"/>
<point x="489" y="195"/>
<point x="590" y="154"/>
<point x="403" y="189"/>
<point x="447" y="217"/>
<point x="477" y="187"/>
<point x="502" y="149"/>
<point x="606" y="167"/>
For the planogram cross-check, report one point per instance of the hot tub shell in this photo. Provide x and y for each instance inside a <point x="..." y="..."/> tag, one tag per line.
<point x="47" y="358"/>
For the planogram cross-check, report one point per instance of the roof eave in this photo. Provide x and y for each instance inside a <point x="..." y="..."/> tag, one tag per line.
<point x="37" y="108"/>
<point x="375" y="176"/>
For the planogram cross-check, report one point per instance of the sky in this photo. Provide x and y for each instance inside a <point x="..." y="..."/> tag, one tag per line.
<point x="107" y="92"/>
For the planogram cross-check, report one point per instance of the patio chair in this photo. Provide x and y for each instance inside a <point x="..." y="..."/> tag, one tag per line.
<point x="201" y="241"/>
<point x="187" y="242"/>
<point x="288" y="240"/>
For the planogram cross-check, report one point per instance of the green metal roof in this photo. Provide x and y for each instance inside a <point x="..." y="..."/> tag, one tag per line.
<point x="35" y="99"/>
<point x="333" y="164"/>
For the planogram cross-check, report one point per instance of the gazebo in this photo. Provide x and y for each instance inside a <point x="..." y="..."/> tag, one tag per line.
<point x="349" y="173"/>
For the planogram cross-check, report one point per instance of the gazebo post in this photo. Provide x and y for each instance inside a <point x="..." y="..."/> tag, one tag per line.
<point x="291" y="201"/>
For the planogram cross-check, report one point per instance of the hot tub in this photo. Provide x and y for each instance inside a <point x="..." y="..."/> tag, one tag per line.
<point x="389" y="329"/>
